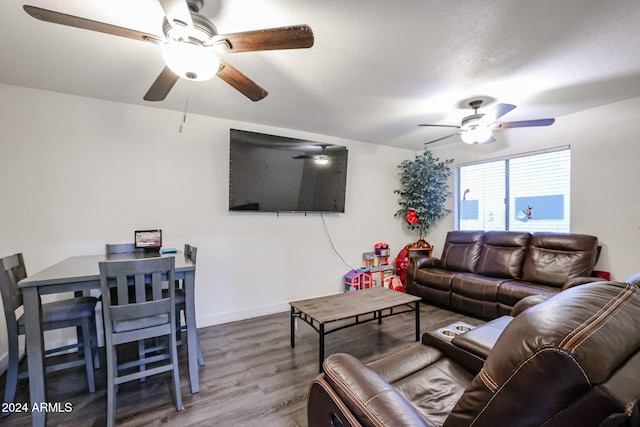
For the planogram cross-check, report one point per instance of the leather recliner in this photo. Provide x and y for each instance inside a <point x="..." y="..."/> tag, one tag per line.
<point x="485" y="274"/>
<point x="572" y="360"/>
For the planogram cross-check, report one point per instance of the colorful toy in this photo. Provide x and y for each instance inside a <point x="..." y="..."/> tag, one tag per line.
<point x="370" y="259"/>
<point x="379" y="274"/>
<point x="382" y="250"/>
<point x="394" y="283"/>
<point x="357" y="279"/>
<point x="402" y="263"/>
<point x="380" y="255"/>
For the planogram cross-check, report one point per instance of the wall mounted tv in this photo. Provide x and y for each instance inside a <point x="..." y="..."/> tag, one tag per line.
<point x="269" y="173"/>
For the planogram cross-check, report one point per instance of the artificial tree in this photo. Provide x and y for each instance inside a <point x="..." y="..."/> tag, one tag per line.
<point x="423" y="191"/>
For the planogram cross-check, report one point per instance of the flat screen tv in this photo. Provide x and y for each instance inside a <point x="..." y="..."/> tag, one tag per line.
<point x="269" y="173"/>
<point x="149" y="240"/>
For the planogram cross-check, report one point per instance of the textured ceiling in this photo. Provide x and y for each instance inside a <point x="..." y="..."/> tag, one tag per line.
<point x="377" y="69"/>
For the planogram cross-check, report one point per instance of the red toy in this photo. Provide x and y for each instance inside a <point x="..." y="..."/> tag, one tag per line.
<point x="394" y="283"/>
<point x="402" y="263"/>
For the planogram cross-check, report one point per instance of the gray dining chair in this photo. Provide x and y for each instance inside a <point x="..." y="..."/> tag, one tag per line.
<point x="147" y="313"/>
<point x="122" y="248"/>
<point x="78" y="312"/>
<point x="129" y="248"/>
<point x="191" y="253"/>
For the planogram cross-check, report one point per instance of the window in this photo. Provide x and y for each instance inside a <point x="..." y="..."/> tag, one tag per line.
<point x="524" y="193"/>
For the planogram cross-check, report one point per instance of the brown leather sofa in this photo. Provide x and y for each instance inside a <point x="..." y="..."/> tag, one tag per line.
<point x="572" y="360"/>
<point x="485" y="274"/>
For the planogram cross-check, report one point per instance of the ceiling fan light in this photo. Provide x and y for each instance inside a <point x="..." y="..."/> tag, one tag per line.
<point x="476" y="134"/>
<point x="190" y="61"/>
<point x="321" y="159"/>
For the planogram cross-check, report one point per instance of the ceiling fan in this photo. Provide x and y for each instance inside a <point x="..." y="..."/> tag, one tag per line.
<point x="191" y="45"/>
<point x="478" y="128"/>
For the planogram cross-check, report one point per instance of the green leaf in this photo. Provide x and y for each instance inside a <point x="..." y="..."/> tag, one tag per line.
<point x="423" y="188"/>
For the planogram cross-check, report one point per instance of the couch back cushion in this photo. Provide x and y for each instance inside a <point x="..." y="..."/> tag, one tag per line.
<point x="502" y="254"/>
<point x="461" y="250"/>
<point x="553" y="258"/>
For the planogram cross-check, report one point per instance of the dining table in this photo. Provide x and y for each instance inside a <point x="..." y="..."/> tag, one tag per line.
<point x="81" y="273"/>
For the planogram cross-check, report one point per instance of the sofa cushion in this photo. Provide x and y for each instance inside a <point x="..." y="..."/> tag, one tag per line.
<point x="367" y="395"/>
<point x="436" y="278"/>
<point x="461" y="250"/>
<point x="475" y="294"/>
<point x="475" y="286"/>
<point x="553" y="258"/>
<point x="502" y="254"/>
<point x="512" y="291"/>
<point x="425" y="378"/>
<point x="435" y="389"/>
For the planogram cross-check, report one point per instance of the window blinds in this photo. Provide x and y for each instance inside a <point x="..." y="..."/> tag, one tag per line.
<point x="526" y="193"/>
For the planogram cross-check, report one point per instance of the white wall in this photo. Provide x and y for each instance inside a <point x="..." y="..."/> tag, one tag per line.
<point x="78" y="173"/>
<point x="605" y="153"/>
<point x="72" y="181"/>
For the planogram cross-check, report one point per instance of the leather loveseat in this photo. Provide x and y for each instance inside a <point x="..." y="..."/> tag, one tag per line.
<point x="485" y="274"/>
<point x="572" y="360"/>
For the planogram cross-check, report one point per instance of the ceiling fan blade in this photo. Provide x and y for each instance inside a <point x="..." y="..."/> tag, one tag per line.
<point x="177" y="12"/>
<point x="240" y="82"/>
<point x="440" y="139"/>
<point x="162" y="86"/>
<point x="88" y="24"/>
<point x="489" y="141"/>
<point x="294" y="37"/>
<point x="525" y="123"/>
<point x="440" y="126"/>
<point x="496" y="112"/>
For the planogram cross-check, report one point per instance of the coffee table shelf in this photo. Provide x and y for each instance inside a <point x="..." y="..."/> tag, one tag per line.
<point x="324" y="313"/>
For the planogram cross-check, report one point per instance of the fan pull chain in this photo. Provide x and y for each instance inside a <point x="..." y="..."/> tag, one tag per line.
<point x="184" y="118"/>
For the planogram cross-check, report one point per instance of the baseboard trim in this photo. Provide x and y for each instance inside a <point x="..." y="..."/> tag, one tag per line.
<point x="234" y="316"/>
<point x="203" y="322"/>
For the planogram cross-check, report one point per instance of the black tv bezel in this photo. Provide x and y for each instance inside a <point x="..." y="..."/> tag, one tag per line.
<point x="279" y="138"/>
<point x="148" y="248"/>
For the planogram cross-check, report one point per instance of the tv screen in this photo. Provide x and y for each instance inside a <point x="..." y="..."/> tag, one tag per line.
<point x="270" y="173"/>
<point x="148" y="239"/>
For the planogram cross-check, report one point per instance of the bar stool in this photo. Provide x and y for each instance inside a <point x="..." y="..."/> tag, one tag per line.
<point x="78" y="312"/>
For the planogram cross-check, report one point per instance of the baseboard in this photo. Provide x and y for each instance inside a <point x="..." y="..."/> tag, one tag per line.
<point x="217" y="319"/>
<point x="234" y="316"/>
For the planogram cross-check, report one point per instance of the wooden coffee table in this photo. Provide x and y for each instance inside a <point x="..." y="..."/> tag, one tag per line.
<point x="352" y="306"/>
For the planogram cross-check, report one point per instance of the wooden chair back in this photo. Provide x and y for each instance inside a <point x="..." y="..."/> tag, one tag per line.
<point x="191" y="252"/>
<point x="12" y="270"/>
<point x="145" y="304"/>
<point x="147" y="312"/>
<point x="122" y="248"/>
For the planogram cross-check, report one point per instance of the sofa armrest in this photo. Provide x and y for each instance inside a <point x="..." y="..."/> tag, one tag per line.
<point x="526" y="303"/>
<point x="325" y="408"/>
<point x="468" y="360"/>
<point x="422" y="261"/>
<point x="481" y="340"/>
<point x="370" y="398"/>
<point x="575" y="281"/>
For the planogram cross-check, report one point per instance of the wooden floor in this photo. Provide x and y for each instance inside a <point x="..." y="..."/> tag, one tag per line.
<point x="252" y="376"/>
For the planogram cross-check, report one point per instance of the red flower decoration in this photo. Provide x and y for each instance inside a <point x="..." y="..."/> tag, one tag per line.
<point x="412" y="217"/>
